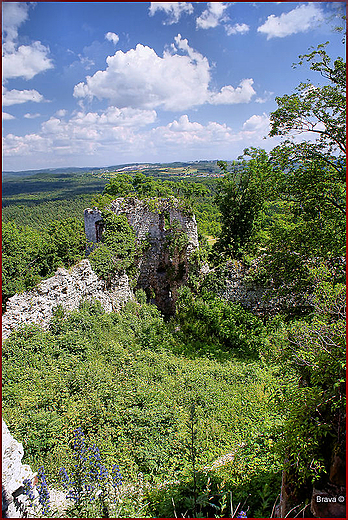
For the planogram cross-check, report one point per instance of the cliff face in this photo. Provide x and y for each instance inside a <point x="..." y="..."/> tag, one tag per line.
<point x="170" y="235"/>
<point x="67" y="288"/>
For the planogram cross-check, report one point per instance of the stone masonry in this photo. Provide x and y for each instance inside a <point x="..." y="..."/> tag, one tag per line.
<point x="161" y="269"/>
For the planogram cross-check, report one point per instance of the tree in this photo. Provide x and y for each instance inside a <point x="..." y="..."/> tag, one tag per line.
<point x="317" y="109"/>
<point x="243" y="191"/>
<point x="312" y="185"/>
<point x="30" y="255"/>
<point x="119" y="186"/>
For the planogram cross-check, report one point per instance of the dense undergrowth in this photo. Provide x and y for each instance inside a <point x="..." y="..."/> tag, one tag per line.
<point x="117" y="377"/>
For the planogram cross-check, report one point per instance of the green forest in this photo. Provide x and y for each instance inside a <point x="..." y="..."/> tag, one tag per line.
<point x="200" y="415"/>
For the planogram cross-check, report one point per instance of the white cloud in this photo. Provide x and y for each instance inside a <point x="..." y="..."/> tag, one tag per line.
<point x="268" y="95"/>
<point x="61" y="113"/>
<point x="229" y="95"/>
<point x="300" y="19"/>
<point x="7" y="117"/>
<point x="183" y="132"/>
<point x="256" y="124"/>
<point x="13" y="15"/>
<point x="106" y="138"/>
<point x="16" y="97"/>
<point x="174" y="10"/>
<point x="112" y="37"/>
<point x="26" y="61"/>
<point x="31" y="116"/>
<point x="30" y="144"/>
<point x="94" y="131"/>
<point x="139" y="78"/>
<point x="212" y="16"/>
<point x="238" y="28"/>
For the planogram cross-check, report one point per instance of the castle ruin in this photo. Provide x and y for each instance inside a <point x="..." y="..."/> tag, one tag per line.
<point x="164" y="265"/>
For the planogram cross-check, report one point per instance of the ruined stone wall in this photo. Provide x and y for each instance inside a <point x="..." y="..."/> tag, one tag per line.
<point x="161" y="268"/>
<point x="257" y="298"/>
<point x="67" y="288"/>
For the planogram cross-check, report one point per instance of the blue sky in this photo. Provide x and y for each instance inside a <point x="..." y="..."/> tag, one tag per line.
<point x="102" y="83"/>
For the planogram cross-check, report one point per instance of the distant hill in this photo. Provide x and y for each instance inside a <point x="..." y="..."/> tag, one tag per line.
<point x="204" y="166"/>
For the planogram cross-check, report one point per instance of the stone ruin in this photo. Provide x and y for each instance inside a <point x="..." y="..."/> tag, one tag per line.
<point x="162" y="269"/>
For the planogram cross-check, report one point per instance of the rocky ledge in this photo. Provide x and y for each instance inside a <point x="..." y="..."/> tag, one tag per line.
<point x="67" y="288"/>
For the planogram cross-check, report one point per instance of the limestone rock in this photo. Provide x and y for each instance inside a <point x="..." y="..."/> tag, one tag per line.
<point x="67" y="288"/>
<point x="13" y="474"/>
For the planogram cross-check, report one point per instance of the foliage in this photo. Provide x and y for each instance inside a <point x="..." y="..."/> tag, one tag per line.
<point x="311" y="105"/>
<point x="315" y="353"/>
<point x="242" y="193"/>
<point x="29" y="255"/>
<point x="116" y="376"/>
<point x="116" y="252"/>
<point x="212" y="327"/>
<point x="288" y="206"/>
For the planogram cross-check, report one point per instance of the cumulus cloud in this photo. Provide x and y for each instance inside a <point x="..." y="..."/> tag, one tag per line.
<point x="300" y="19"/>
<point x="112" y="37"/>
<point x="30" y="144"/>
<point x="16" y="97"/>
<point x="257" y="124"/>
<point x="61" y="113"/>
<point x="229" y="95"/>
<point x="212" y="16"/>
<point x="179" y="80"/>
<point x="183" y="132"/>
<point x="31" y="116"/>
<point x="238" y="28"/>
<point x="139" y="78"/>
<point x="7" y="117"/>
<point x="174" y="10"/>
<point x="13" y="15"/>
<point x="26" y="61"/>
<point x="106" y="136"/>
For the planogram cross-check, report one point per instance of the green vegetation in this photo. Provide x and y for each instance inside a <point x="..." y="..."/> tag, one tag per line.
<point x="29" y="255"/>
<point x="203" y="411"/>
<point x="117" y="251"/>
<point x="117" y="377"/>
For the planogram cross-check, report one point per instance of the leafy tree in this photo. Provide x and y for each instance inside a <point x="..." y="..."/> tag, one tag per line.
<point x="312" y="175"/>
<point x="243" y="191"/>
<point x="119" y="186"/>
<point x="318" y="109"/>
<point x="30" y="255"/>
<point x="116" y="252"/>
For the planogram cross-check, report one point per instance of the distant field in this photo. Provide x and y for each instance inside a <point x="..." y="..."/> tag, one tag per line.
<point x="57" y="195"/>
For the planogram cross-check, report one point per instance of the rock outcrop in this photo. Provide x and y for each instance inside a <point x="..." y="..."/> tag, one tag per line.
<point x="67" y="288"/>
<point x="13" y="474"/>
<point x="164" y="266"/>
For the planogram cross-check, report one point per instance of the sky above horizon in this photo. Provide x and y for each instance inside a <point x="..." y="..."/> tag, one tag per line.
<point x="101" y="83"/>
